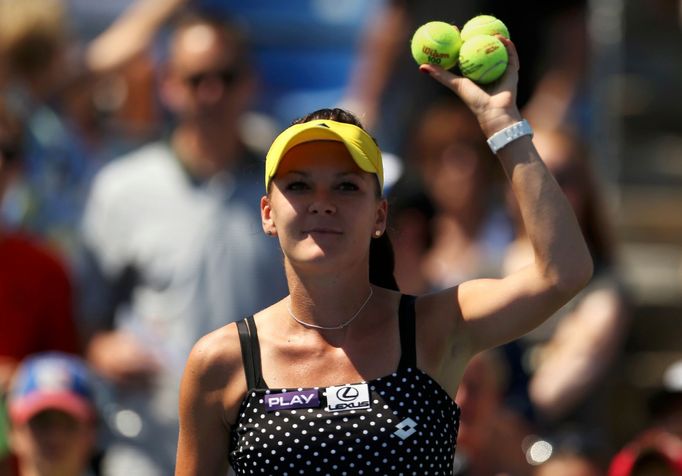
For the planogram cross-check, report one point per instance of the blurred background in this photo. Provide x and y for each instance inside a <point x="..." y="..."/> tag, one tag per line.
<point x="86" y="87"/>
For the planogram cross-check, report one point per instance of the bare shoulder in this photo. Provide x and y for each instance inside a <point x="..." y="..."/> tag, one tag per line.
<point x="218" y="352"/>
<point x="215" y="370"/>
<point x="211" y="392"/>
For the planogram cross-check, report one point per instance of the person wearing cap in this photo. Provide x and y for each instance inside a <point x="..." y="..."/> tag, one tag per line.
<point x="53" y="415"/>
<point x="346" y="374"/>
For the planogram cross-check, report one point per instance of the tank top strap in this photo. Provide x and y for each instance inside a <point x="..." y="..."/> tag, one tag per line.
<point x="407" y="326"/>
<point x="248" y="340"/>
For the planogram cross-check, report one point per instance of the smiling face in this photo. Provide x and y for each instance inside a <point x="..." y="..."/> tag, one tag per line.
<point x="323" y="207"/>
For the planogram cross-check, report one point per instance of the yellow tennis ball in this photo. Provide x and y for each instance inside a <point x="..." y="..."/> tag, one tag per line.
<point x="436" y="42"/>
<point x="483" y="59"/>
<point x="484" y="25"/>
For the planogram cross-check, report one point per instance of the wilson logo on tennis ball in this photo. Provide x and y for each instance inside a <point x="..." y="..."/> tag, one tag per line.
<point x="434" y="54"/>
<point x="436" y="42"/>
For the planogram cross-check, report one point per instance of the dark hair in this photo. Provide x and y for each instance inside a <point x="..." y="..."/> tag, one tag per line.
<point x="382" y="263"/>
<point x="381" y="257"/>
<point x="335" y="114"/>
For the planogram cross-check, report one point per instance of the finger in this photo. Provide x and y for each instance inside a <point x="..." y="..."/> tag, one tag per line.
<point x="444" y="77"/>
<point x="511" y="51"/>
<point x="437" y="72"/>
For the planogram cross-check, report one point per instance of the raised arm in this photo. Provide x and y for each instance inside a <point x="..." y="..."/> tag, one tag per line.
<point x="382" y="45"/>
<point x="130" y="34"/>
<point x="211" y="391"/>
<point x="490" y="312"/>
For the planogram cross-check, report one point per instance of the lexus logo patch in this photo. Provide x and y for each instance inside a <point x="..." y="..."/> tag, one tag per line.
<point x="347" y="397"/>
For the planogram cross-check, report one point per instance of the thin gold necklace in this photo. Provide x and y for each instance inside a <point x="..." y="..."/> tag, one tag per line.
<point x="331" y="328"/>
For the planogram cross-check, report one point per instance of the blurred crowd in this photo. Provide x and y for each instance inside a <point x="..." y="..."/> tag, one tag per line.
<point x="132" y="140"/>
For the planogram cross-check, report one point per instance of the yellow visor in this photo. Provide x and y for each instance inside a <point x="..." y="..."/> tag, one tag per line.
<point x="361" y="146"/>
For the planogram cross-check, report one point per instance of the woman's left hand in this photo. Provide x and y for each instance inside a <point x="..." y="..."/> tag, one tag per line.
<point x="495" y="104"/>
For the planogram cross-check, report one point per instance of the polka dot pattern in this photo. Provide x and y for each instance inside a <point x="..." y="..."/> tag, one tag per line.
<point x="410" y="428"/>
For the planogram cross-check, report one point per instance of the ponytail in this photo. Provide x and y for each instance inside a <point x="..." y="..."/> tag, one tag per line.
<point x="382" y="263"/>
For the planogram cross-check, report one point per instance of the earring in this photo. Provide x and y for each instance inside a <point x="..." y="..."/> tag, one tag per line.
<point x="377" y="233"/>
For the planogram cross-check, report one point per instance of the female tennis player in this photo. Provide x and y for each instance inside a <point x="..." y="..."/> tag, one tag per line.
<point x="346" y="375"/>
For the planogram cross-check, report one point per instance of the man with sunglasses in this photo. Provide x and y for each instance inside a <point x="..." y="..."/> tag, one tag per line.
<point x="172" y="243"/>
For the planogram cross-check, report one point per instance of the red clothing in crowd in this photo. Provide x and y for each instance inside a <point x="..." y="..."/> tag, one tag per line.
<point x="36" y="303"/>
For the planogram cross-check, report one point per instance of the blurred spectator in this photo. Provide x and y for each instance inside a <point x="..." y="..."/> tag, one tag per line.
<point x="655" y="452"/>
<point x="174" y="246"/>
<point x="50" y="85"/>
<point x="303" y="50"/>
<point x="411" y="211"/>
<point x="33" y="51"/>
<point x="470" y="229"/>
<point x="490" y="436"/>
<point x="569" y="356"/>
<point x="568" y="464"/>
<point x="53" y="416"/>
<point x="566" y="452"/>
<point x="665" y="405"/>
<point x="36" y="307"/>
<point x="561" y="95"/>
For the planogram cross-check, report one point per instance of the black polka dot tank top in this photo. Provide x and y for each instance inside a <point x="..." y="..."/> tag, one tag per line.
<point x="403" y="423"/>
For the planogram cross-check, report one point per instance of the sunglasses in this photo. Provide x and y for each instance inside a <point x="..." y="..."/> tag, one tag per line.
<point x="228" y="76"/>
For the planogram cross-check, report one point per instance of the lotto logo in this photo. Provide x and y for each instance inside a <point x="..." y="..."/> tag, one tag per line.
<point x="405" y="428"/>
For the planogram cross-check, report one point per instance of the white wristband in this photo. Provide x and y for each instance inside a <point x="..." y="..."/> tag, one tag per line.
<point x="509" y="134"/>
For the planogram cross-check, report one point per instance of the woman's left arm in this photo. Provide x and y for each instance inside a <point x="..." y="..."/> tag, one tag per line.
<point x="494" y="311"/>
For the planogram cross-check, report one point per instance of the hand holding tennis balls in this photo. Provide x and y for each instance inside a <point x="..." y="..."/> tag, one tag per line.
<point x="495" y="105"/>
<point x="436" y="42"/>
<point x="482" y="57"/>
